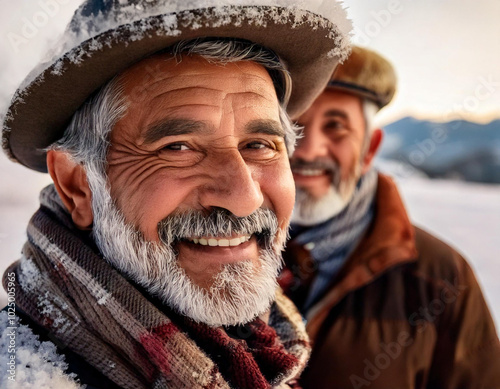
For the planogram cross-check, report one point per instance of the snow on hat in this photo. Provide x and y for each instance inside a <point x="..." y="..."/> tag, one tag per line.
<point x="107" y="36"/>
<point x="367" y="74"/>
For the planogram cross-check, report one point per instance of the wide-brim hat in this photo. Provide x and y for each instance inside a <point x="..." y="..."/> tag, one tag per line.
<point x="366" y="74"/>
<point x="105" y="37"/>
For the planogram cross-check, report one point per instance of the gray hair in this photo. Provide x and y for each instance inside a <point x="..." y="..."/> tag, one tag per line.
<point x="86" y="139"/>
<point x="370" y="110"/>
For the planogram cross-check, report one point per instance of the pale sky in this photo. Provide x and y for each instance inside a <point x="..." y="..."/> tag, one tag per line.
<point x="446" y="52"/>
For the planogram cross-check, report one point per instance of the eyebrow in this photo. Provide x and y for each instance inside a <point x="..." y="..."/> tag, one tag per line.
<point x="265" y="126"/>
<point x="172" y="127"/>
<point x="336" y="112"/>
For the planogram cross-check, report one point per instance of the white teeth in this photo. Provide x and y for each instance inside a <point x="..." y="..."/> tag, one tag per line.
<point x="221" y="242"/>
<point x="309" y="172"/>
<point x="234" y="242"/>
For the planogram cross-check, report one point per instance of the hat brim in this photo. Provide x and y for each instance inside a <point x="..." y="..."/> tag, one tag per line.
<point x="40" y="113"/>
<point x="358" y="91"/>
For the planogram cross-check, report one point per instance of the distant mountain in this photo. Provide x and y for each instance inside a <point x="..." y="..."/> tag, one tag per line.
<point x="458" y="149"/>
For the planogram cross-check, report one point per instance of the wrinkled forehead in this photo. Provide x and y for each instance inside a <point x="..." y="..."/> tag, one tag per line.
<point x="163" y="73"/>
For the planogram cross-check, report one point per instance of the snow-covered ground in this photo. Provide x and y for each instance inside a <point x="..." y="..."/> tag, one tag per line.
<point x="466" y="216"/>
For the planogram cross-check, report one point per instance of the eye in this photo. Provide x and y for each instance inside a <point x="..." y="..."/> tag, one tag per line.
<point x="258" y="145"/>
<point x="178" y="146"/>
<point x="180" y="154"/>
<point x="334" y="125"/>
<point x="260" y="150"/>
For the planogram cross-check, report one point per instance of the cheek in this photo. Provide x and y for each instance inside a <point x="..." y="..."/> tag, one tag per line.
<point x="146" y="202"/>
<point x="347" y="155"/>
<point x="355" y="162"/>
<point x="278" y="188"/>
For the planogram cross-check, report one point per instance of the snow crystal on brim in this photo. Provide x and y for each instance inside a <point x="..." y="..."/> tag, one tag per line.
<point x="297" y="12"/>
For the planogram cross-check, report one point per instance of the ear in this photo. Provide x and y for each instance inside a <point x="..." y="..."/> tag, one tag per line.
<point x="70" y="181"/>
<point x="375" y="142"/>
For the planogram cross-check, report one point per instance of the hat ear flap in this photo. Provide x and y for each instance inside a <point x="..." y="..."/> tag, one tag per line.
<point x="71" y="184"/>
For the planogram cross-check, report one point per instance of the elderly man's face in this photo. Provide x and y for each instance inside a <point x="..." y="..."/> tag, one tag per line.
<point x="200" y="136"/>
<point x="334" y="130"/>
<point x="330" y="157"/>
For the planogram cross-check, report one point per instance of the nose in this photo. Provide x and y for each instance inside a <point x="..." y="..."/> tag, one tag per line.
<point x="231" y="186"/>
<point x="313" y="144"/>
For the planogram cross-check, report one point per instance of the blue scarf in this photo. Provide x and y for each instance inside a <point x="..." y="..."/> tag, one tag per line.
<point x="330" y="243"/>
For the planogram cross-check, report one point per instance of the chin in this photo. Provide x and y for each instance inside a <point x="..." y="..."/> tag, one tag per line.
<point x="238" y="293"/>
<point x="310" y="210"/>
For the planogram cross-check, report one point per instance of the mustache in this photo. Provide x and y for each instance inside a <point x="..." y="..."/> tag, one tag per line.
<point x="319" y="163"/>
<point x="329" y="165"/>
<point x="219" y="222"/>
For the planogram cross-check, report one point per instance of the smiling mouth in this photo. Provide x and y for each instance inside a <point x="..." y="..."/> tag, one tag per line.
<point x="220" y="242"/>
<point x="309" y="172"/>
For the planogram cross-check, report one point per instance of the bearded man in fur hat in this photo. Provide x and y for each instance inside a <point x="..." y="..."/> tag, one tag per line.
<point x="152" y="261"/>
<point x="388" y="305"/>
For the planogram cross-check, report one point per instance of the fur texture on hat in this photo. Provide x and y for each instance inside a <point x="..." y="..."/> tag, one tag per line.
<point x="105" y="37"/>
<point x="366" y="74"/>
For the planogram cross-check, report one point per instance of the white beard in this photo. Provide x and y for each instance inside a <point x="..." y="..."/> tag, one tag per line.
<point x="239" y="292"/>
<point x="309" y="211"/>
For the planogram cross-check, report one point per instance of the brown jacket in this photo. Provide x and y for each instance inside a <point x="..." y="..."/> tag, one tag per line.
<point x="405" y="311"/>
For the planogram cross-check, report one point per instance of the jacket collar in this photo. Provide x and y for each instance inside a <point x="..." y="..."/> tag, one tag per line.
<point x="389" y="241"/>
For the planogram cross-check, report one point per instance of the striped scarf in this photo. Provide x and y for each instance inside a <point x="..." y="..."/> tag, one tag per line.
<point x="66" y="287"/>
<point x="330" y="243"/>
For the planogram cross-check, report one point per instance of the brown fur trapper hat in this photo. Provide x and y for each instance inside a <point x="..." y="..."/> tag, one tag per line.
<point x="105" y="37"/>
<point x="366" y="74"/>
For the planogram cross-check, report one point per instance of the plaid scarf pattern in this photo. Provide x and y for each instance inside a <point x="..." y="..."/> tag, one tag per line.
<point x="88" y="306"/>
